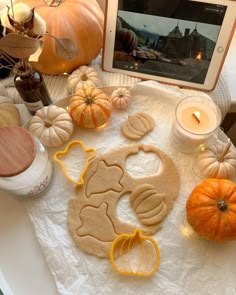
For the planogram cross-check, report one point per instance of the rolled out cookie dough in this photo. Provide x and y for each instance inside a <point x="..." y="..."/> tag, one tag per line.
<point x="92" y="218"/>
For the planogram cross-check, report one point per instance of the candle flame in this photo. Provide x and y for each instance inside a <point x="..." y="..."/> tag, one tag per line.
<point x="199" y="56"/>
<point x="197" y="116"/>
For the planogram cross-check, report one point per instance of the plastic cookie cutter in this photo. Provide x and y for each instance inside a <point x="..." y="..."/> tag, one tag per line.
<point x="59" y="154"/>
<point x="135" y="254"/>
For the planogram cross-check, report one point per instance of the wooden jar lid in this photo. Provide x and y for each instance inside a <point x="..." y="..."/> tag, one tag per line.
<point x="17" y="150"/>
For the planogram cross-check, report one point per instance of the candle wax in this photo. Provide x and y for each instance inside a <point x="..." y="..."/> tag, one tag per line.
<point x="189" y="123"/>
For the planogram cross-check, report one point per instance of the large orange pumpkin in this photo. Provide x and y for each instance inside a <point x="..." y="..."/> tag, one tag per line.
<point x="211" y="209"/>
<point x="90" y="107"/>
<point x="79" y="20"/>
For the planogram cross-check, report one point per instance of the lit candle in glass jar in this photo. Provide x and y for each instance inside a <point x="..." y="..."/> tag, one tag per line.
<point x="196" y="119"/>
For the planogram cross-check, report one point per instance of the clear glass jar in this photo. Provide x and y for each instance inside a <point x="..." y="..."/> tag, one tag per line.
<point x="196" y="120"/>
<point x="25" y="170"/>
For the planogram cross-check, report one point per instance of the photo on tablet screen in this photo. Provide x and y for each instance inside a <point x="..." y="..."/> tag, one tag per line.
<point x="176" y="46"/>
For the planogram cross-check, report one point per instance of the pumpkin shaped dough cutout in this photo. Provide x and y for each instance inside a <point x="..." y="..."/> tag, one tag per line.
<point x="137" y="125"/>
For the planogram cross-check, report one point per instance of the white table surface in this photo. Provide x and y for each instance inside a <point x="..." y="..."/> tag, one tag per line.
<point x="23" y="269"/>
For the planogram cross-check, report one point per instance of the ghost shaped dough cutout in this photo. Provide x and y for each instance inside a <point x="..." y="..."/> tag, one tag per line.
<point x="105" y="178"/>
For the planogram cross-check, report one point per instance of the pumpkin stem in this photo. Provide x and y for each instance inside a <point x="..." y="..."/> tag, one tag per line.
<point x="222" y="205"/>
<point x="88" y="100"/>
<point x="83" y="77"/>
<point x="53" y="2"/>
<point x="47" y="123"/>
<point x="225" y="151"/>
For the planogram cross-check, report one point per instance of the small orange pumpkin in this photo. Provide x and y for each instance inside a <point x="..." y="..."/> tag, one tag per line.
<point x="90" y="107"/>
<point x="211" y="209"/>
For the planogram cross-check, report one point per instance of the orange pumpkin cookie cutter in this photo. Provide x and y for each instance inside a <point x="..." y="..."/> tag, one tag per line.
<point x="144" y="265"/>
<point x="58" y="154"/>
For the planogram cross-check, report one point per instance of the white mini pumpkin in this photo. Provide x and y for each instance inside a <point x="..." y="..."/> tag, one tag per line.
<point x="218" y="160"/>
<point x="83" y="77"/>
<point x="9" y="114"/>
<point x="52" y="125"/>
<point x="121" y="98"/>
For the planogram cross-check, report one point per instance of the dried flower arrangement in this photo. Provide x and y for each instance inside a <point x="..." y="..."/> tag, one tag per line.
<point x="22" y="42"/>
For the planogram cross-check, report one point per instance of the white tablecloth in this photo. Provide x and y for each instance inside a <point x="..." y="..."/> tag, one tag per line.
<point x="189" y="265"/>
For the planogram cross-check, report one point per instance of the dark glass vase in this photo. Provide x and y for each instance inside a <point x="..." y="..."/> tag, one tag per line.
<point x="4" y="72"/>
<point x="31" y="88"/>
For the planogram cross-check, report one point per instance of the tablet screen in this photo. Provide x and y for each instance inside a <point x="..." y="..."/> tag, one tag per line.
<point x="174" y="42"/>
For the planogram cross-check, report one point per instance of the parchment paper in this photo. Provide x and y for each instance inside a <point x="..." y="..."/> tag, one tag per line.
<point x="189" y="265"/>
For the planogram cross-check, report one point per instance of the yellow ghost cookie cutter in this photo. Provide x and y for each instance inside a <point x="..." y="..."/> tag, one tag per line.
<point x="143" y="263"/>
<point x="66" y="151"/>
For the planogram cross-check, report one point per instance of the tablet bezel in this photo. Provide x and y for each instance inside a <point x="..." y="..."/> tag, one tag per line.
<point x="218" y="57"/>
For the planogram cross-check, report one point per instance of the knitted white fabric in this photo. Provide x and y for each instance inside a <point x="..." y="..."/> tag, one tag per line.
<point x="221" y="95"/>
<point x="56" y="85"/>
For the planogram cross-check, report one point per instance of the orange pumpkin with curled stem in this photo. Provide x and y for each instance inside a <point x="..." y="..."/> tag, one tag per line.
<point x="211" y="209"/>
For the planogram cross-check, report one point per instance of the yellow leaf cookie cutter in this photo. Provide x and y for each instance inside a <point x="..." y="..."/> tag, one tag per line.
<point x="66" y="151"/>
<point x="145" y="265"/>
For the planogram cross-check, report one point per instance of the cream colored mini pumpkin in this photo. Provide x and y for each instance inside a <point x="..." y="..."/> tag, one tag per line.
<point x="4" y="95"/>
<point x="9" y="115"/>
<point x="5" y="99"/>
<point x="83" y="77"/>
<point x="218" y="161"/>
<point x="121" y="98"/>
<point x="52" y="125"/>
